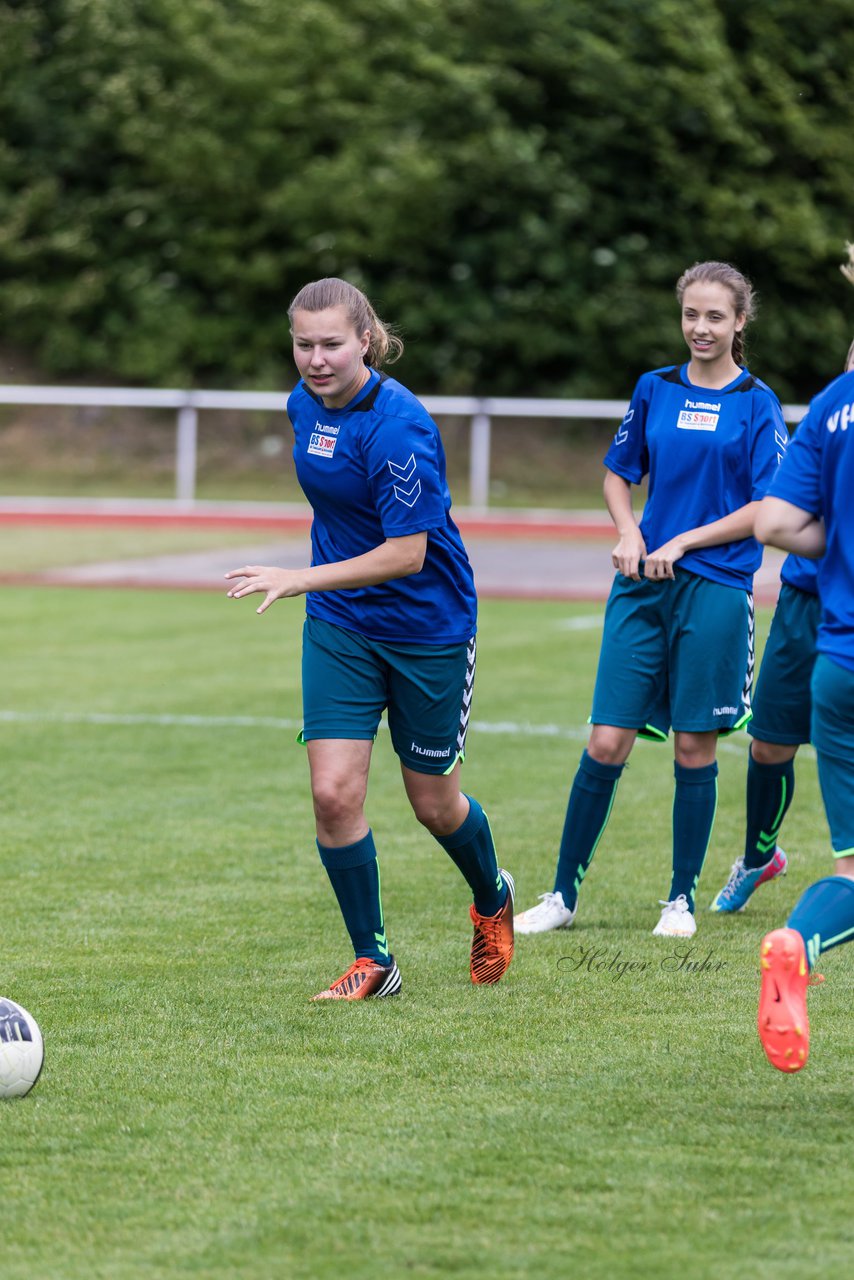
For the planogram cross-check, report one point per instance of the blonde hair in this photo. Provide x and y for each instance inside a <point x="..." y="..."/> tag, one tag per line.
<point x="384" y="345"/>
<point x="738" y="285"/>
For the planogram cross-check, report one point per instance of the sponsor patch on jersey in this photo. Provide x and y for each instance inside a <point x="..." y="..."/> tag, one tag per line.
<point x="697" y="420"/>
<point x="699" y="415"/>
<point x="322" y="440"/>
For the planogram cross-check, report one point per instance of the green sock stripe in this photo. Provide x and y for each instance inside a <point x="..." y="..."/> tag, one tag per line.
<point x="381" y="940"/>
<point x="775" y="825"/>
<point x="826" y="943"/>
<point x="712" y="823"/>
<point x="498" y="878"/>
<point x="582" y="871"/>
<point x="767" y="840"/>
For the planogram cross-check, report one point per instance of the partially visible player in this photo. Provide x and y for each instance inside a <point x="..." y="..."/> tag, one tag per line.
<point x="677" y="647"/>
<point x="782" y="707"/>
<point x="391" y="620"/>
<point x="809" y="512"/>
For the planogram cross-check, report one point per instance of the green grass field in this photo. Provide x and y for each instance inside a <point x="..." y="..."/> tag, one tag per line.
<point x="165" y="917"/>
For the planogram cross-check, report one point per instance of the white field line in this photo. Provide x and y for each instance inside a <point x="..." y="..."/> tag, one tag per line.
<point x="588" y="622"/>
<point x="736" y="745"/>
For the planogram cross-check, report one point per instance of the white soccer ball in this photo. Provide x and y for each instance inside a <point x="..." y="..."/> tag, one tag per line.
<point x="21" y="1050"/>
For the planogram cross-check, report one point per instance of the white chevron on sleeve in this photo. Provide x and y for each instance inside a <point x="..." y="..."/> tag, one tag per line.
<point x="405" y="472"/>
<point x="408" y="497"/>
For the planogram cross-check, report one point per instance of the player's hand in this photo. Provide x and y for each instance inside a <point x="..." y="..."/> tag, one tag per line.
<point x="659" y="564"/>
<point x="628" y="553"/>
<point x="275" y="583"/>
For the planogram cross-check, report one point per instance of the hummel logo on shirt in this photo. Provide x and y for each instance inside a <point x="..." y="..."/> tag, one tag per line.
<point x="698" y="415"/>
<point x="321" y="442"/>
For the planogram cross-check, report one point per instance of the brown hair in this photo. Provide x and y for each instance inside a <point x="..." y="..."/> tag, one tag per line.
<point x="738" y="285"/>
<point x="384" y="345"/>
<point x="849" y="359"/>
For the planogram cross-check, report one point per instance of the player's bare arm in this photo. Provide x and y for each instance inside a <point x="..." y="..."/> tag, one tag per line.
<point x="782" y="524"/>
<point x="630" y="548"/>
<point x="394" y="558"/>
<point x="737" y="525"/>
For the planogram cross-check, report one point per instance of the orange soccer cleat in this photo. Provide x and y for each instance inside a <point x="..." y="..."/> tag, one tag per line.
<point x="783" y="1024"/>
<point x="364" y="978"/>
<point x="492" y="944"/>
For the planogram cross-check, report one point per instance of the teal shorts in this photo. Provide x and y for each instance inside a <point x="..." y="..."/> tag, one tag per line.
<point x="348" y="681"/>
<point x="675" y="654"/>
<point x="833" y="737"/>
<point x="782" y="703"/>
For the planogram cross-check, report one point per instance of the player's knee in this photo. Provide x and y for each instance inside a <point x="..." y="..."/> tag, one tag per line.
<point x="771" y="752"/>
<point x="437" y="815"/>
<point x="335" y="799"/>
<point x="610" y="745"/>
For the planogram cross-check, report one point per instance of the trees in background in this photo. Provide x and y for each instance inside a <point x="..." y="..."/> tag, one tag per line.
<point x="517" y="183"/>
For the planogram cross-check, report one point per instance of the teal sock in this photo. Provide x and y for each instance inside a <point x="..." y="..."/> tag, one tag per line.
<point x="472" y="849"/>
<point x="694" y="804"/>
<point x="824" y="915"/>
<point x="354" y="874"/>
<point x="587" y="812"/>
<point x="770" y="788"/>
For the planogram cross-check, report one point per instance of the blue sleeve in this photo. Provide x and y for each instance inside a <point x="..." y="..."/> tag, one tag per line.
<point x="405" y="472"/>
<point x="798" y="479"/>
<point x="770" y="442"/>
<point x="628" y="455"/>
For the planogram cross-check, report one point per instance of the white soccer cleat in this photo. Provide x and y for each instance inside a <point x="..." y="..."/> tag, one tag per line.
<point x="676" y="919"/>
<point x="549" y="913"/>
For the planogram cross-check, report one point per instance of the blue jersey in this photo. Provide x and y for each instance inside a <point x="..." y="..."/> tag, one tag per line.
<point x="707" y="453"/>
<point x="375" y="470"/>
<point x="818" y="476"/>
<point x="800" y="572"/>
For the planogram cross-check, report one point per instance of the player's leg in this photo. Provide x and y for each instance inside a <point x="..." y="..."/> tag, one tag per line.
<point x="343" y="697"/>
<point x="711" y="664"/>
<point x="591" y="798"/>
<point x="626" y="699"/>
<point x="462" y="828"/>
<point x="823" y="917"/>
<point x="430" y="700"/>
<point x="695" y="801"/>
<point x="770" y="790"/>
<point x="781" y="723"/>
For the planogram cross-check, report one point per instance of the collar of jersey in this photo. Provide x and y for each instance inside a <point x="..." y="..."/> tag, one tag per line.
<point x="712" y="391"/>
<point x="357" y="403"/>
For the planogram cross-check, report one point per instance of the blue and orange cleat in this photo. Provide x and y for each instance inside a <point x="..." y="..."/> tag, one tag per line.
<point x="782" y="1020"/>
<point x="742" y="882"/>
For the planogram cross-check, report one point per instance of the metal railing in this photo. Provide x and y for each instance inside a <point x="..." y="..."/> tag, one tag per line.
<point x="188" y="404"/>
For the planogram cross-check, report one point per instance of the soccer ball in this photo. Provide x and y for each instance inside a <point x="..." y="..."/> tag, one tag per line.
<point x="21" y="1050"/>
